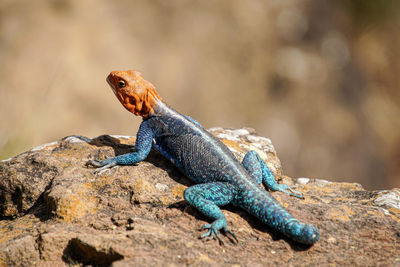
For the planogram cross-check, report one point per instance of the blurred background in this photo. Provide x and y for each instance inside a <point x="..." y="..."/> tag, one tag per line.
<point x="319" y="78"/>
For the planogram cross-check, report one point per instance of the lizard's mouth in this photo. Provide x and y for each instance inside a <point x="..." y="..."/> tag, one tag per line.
<point x="110" y="82"/>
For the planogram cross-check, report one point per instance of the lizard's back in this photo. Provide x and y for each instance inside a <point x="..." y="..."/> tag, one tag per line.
<point x="200" y="155"/>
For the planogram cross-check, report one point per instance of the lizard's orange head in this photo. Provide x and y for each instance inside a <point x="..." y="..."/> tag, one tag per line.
<point x="135" y="93"/>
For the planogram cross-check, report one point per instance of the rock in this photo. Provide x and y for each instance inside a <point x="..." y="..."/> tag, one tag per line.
<point x="21" y="251"/>
<point x="55" y="211"/>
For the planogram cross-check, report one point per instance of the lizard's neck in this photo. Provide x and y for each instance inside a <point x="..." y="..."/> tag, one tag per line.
<point x="160" y="108"/>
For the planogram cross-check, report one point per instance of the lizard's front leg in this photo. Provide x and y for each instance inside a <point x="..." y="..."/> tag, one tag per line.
<point x="206" y="198"/>
<point x="259" y="170"/>
<point x="144" y="140"/>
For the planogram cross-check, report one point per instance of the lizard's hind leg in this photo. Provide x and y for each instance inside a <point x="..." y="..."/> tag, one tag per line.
<point x="259" y="170"/>
<point x="206" y="198"/>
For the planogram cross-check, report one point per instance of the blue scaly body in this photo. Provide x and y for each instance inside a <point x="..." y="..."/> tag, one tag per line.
<point x="220" y="179"/>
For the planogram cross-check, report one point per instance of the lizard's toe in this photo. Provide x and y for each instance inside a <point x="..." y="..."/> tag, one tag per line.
<point x="107" y="166"/>
<point x="211" y="233"/>
<point x="206" y="226"/>
<point x="288" y="190"/>
<point x="232" y="234"/>
<point x="101" y="164"/>
<point x="94" y="163"/>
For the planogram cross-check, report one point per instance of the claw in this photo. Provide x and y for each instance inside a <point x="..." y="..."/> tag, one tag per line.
<point x="221" y="243"/>
<point x="210" y="235"/>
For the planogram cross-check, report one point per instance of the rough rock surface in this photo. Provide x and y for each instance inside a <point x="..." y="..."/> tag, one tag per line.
<point x="55" y="211"/>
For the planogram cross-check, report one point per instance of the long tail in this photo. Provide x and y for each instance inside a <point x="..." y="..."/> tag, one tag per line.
<point x="264" y="206"/>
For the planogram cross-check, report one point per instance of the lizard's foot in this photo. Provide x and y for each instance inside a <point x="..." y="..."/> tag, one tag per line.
<point x="102" y="164"/>
<point x="213" y="230"/>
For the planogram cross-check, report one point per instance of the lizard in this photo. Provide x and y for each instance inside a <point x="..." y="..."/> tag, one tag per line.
<point x="219" y="177"/>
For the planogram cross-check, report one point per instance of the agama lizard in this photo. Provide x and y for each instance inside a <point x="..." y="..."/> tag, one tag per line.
<point x="220" y="179"/>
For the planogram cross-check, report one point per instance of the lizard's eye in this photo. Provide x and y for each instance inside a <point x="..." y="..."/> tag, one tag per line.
<point x="121" y="83"/>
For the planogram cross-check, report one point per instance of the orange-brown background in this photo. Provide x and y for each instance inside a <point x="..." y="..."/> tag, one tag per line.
<point x="320" y="78"/>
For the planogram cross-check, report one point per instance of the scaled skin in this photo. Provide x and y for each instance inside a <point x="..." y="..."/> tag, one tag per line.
<point x="220" y="179"/>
